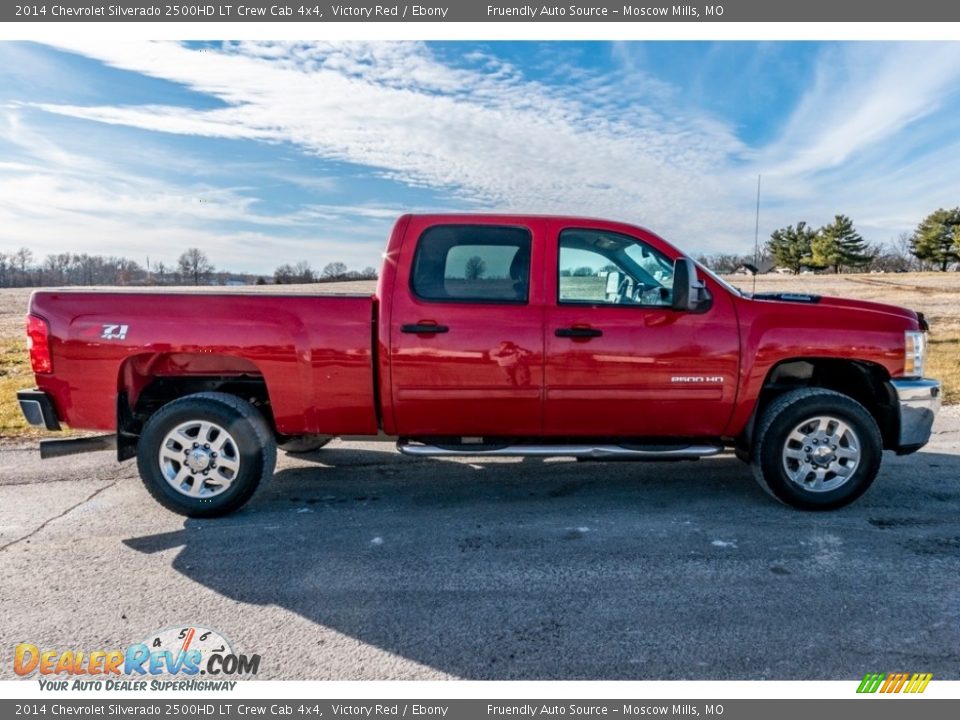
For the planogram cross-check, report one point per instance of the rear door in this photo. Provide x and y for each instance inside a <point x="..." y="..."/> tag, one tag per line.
<point x="619" y="361"/>
<point x="466" y="335"/>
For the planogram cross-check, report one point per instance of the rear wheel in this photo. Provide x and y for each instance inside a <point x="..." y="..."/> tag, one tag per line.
<point x="816" y="449"/>
<point x="204" y="455"/>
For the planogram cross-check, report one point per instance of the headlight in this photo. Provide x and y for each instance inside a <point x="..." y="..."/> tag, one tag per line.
<point x="914" y="353"/>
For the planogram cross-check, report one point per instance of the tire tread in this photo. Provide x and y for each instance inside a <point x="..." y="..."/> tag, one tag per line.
<point x="776" y="408"/>
<point x="261" y="430"/>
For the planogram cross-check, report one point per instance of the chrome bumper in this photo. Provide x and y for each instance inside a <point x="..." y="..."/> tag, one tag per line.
<point x="918" y="400"/>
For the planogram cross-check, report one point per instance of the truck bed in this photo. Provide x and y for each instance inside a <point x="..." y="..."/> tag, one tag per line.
<point x="314" y="352"/>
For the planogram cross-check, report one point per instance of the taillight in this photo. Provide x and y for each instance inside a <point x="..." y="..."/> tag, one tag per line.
<point x="38" y="343"/>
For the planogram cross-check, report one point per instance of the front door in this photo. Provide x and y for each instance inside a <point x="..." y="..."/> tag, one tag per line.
<point x="466" y="333"/>
<point x="619" y="361"/>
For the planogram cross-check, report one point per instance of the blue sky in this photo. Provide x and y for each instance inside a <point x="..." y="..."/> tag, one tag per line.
<point x="264" y="153"/>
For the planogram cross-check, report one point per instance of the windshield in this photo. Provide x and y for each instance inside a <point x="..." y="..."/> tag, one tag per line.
<point x="720" y="280"/>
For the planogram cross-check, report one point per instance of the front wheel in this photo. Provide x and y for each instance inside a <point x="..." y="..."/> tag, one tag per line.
<point x="204" y="455"/>
<point x="816" y="449"/>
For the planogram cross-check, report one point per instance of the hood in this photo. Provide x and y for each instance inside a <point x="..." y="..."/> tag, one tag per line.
<point x="837" y="303"/>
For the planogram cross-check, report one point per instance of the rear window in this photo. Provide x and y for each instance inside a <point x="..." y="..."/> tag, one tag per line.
<point x="482" y="263"/>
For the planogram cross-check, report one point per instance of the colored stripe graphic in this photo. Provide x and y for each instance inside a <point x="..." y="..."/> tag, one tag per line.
<point x="870" y="683"/>
<point x="894" y="682"/>
<point x="918" y="683"/>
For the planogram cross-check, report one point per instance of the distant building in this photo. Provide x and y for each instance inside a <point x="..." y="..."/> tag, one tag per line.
<point x="765" y="266"/>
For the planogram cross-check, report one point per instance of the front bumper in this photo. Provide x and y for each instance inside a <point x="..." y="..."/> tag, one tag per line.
<point x="38" y="409"/>
<point x="918" y="401"/>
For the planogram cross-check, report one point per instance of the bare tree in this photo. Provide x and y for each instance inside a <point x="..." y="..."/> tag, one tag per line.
<point x="50" y="266"/>
<point x="302" y="272"/>
<point x="368" y="273"/>
<point x="21" y="260"/>
<point x="475" y="268"/>
<point x="195" y="265"/>
<point x="127" y="271"/>
<point x="283" y="275"/>
<point x="334" y="271"/>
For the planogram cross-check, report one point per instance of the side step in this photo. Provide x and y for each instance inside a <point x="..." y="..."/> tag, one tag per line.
<point x="577" y="450"/>
<point x="72" y="446"/>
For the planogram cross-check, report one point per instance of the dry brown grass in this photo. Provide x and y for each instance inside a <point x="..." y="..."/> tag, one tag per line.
<point x="945" y="363"/>
<point x="15" y="374"/>
<point x="937" y="295"/>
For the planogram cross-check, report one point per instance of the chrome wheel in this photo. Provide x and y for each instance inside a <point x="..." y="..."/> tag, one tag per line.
<point x="199" y="459"/>
<point x="821" y="453"/>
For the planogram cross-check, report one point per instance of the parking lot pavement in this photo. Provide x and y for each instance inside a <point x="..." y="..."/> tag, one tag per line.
<point x="357" y="563"/>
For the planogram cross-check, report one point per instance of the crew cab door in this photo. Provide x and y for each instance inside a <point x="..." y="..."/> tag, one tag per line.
<point x="466" y="332"/>
<point x="619" y="361"/>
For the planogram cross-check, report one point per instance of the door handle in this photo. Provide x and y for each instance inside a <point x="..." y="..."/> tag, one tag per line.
<point x="424" y="329"/>
<point x="578" y="332"/>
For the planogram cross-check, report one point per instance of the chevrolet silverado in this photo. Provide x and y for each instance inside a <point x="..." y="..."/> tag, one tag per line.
<point x="488" y="335"/>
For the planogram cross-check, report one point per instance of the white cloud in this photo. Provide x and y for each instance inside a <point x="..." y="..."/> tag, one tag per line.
<point x="485" y="137"/>
<point x="874" y="137"/>
<point x="863" y="95"/>
<point x="54" y="200"/>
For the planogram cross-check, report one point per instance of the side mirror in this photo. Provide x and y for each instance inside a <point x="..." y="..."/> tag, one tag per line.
<point x="688" y="291"/>
<point x="614" y="278"/>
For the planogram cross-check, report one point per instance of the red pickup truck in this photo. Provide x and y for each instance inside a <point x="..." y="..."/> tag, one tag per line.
<point x="489" y="335"/>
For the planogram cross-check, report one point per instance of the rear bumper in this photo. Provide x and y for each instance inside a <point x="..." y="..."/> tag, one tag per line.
<point x="918" y="402"/>
<point x="38" y="409"/>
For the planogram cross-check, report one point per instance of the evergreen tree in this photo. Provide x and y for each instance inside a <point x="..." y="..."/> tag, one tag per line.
<point x="937" y="238"/>
<point x="825" y="252"/>
<point x="791" y="246"/>
<point x="839" y="245"/>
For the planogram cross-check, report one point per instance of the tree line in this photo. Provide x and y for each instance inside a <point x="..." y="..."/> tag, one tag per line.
<point x="20" y="268"/>
<point x="838" y="247"/>
<point x="302" y="272"/>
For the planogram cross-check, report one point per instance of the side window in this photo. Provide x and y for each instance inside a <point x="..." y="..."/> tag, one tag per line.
<point x="477" y="263"/>
<point x="599" y="267"/>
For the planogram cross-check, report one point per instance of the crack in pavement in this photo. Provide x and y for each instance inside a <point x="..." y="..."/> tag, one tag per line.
<point x="46" y="481"/>
<point x="70" y="509"/>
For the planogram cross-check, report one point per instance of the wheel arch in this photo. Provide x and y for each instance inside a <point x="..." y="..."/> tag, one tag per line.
<point x="866" y="382"/>
<point x="148" y="381"/>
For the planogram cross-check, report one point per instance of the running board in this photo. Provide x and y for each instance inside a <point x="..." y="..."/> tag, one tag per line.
<point x="591" y="452"/>
<point x="73" y="446"/>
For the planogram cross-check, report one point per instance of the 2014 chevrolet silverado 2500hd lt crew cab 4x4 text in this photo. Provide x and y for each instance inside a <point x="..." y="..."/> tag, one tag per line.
<point x="488" y="335"/>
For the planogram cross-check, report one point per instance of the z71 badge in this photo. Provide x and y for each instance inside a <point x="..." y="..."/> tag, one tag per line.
<point x="114" y="332"/>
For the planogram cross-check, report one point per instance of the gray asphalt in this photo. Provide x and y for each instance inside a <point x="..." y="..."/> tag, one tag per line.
<point x="357" y="563"/>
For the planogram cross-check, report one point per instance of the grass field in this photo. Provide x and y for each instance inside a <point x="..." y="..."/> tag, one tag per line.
<point x="937" y="295"/>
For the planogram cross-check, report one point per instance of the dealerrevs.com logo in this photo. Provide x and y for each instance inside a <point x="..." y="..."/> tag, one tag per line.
<point x="174" y="658"/>
<point x="894" y="683"/>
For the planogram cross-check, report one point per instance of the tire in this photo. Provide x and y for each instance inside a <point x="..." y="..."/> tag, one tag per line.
<point x="204" y="455"/>
<point x="816" y="449"/>
<point x="304" y="444"/>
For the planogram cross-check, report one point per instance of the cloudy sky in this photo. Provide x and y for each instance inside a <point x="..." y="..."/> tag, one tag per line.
<point x="263" y="153"/>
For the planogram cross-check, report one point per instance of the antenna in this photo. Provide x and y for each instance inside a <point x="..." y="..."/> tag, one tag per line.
<point x="756" y="240"/>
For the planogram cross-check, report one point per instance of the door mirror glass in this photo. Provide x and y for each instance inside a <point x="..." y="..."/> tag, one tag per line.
<point x="689" y="292"/>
